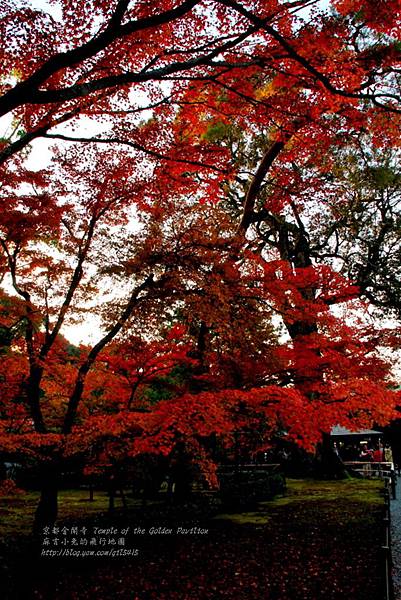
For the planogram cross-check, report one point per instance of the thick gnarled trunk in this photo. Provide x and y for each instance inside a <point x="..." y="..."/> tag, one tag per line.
<point x="328" y="465"/>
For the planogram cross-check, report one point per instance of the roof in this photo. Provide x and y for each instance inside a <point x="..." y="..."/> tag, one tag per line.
<point x="343" y="431"/>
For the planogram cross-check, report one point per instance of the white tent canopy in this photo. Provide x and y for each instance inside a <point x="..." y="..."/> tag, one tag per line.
<point x="344" y="432"/>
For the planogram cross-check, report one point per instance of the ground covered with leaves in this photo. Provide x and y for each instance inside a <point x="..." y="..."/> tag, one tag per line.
<point x="320" y="541"/>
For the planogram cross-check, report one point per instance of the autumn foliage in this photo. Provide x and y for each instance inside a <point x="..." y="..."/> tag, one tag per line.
<point x="195" y="209"/>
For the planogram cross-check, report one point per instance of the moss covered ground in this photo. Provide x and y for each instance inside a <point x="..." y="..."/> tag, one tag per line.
<point x="320" y="541"/>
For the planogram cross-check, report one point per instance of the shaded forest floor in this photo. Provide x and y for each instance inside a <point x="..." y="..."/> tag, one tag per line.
<point x="320" y="541"/>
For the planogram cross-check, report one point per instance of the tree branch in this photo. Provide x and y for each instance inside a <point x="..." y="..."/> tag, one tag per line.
<point x="261" y="172"/>
<point x="135" y="145"/>
<point x="22" y="93"/>
<point x="85" y="367"/>
<point x="294" y="54"/>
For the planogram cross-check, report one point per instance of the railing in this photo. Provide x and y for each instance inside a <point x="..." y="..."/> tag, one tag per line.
<point x="386" y="548"/>
<point x="273" y="467"/>
<point x="383" y="470"/>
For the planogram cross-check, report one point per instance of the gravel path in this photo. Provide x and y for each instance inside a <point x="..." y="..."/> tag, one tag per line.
<point x="395" y="508"/>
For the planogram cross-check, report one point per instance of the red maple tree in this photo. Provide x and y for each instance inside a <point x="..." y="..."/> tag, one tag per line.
<point x="219" y="127"/>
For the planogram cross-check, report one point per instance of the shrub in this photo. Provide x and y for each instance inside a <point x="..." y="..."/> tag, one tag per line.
<point x="8" y="487"/>
<point x="244" y="488"/>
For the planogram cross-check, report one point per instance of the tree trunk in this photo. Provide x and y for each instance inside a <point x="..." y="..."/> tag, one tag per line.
<point x="33" y="392"/>
<point x="328" y="465"/>
<point x="46" y="512"/>
<point x="112" y="488"/>
<point x="181" y="474"/>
